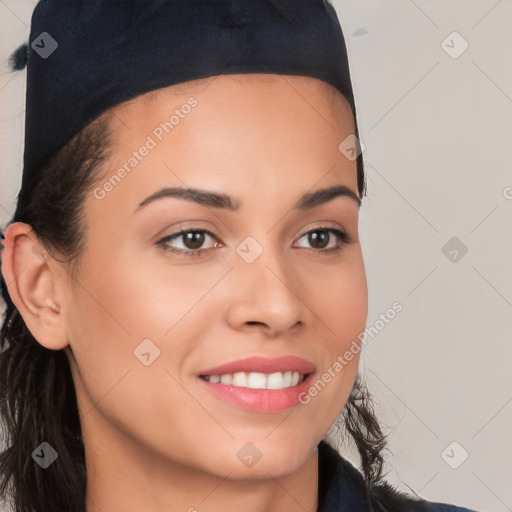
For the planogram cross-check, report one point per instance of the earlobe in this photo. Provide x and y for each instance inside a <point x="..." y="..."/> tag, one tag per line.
<point x="31" y="285"/>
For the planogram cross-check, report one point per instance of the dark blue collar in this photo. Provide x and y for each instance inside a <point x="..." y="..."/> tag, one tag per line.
<point x="340" y="485"/>
<point x="341" y="488"/>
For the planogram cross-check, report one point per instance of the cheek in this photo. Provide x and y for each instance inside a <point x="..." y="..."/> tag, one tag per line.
<point x="341" y="304"/>
<point x="139" y="298"/>
<point x="126" y="301"/>
<point x="114" y="313"/>
<point x="341" y="298"/>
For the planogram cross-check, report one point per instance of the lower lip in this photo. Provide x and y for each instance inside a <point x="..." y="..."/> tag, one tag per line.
<point x="260" y="400"/>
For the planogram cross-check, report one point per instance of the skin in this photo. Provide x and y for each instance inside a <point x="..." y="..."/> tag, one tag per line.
<point x="155" y="438"/>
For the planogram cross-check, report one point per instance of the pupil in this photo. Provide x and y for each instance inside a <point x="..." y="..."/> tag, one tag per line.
<point x="194" y="239"/>
<point x="319" y="235"/>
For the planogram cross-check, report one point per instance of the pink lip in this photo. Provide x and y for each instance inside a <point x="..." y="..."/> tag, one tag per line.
<point x="263" y="365"/>
<point x="261" y="400"/>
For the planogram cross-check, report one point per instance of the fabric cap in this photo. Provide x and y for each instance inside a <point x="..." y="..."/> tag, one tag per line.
<point x="86" y="56"/>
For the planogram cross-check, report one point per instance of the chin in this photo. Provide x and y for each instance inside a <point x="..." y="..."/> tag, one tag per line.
<point x="264" y="459"/>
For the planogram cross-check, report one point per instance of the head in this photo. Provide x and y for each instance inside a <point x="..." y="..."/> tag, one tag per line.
<point x="98" y="280"/>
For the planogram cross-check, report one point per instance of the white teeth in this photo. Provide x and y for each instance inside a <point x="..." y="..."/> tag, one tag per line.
<point x="256" y="380"/>
<point x="275" y="381"/>
<point x="240" y="379"/>
<point x="226" y="379"/>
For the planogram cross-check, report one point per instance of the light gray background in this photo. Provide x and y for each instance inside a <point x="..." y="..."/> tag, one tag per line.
<point x="438" y="137"/>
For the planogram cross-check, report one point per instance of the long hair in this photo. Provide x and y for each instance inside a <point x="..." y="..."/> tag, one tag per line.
<point x="37" y="395"/>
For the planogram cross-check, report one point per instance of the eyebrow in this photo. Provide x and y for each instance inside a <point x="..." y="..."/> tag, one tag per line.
<point x="220" y="200"/>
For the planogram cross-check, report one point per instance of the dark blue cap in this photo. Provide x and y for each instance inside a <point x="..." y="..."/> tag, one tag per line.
<point x="86" y="56"/>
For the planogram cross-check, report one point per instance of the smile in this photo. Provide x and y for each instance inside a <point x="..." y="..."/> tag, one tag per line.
<point x="256" y="380"/>
<point x="259" y="384"/>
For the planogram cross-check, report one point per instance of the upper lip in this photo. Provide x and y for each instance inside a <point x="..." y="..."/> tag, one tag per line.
<point x="263" y="365"/>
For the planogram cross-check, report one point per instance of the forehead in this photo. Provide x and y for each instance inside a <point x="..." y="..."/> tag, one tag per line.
<point x="250" y="111"/>
<point x="317" y="93"/>
<point x="247" y="135"/>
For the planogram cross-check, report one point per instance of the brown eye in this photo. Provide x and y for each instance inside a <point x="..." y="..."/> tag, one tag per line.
<point x="192" y="241"/>
<point x="320" y="238"/>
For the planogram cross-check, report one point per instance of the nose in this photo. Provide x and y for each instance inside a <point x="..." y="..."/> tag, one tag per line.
<point x="265" y="297"/>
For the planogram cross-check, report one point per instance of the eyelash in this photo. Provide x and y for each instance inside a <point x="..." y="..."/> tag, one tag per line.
<point x="343" y="237"/>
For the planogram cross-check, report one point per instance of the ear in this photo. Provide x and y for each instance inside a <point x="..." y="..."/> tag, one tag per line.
<point x="31" y="283"/>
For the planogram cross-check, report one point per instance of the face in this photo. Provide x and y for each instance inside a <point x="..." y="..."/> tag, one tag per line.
<point x="153" y="311"/>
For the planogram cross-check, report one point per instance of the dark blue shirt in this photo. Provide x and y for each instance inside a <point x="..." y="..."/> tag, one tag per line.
<point x="341" y="487"/>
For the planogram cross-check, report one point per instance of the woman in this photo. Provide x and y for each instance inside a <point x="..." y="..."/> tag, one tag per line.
<point x="184" y="283"/>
